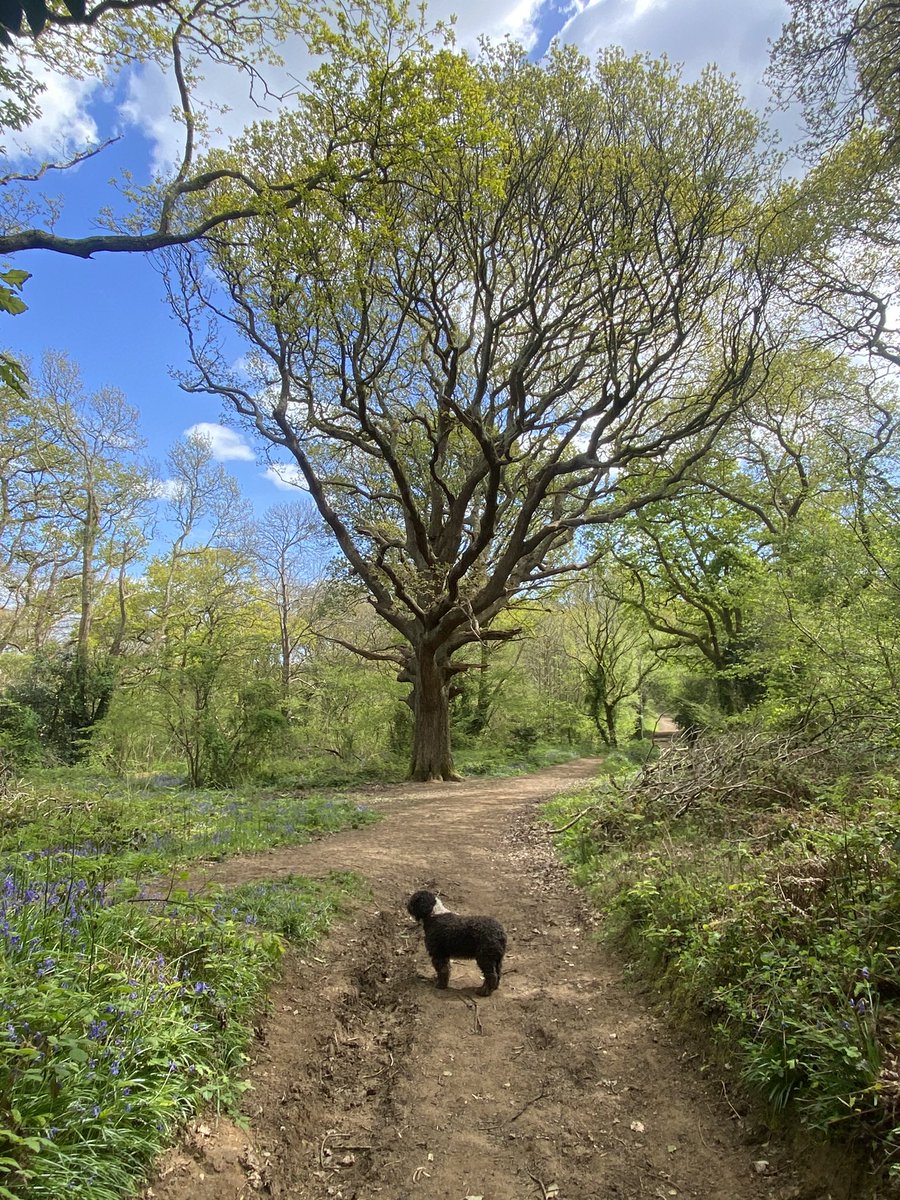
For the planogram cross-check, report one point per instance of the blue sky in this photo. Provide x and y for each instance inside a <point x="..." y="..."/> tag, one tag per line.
<point x="109" y="314"/>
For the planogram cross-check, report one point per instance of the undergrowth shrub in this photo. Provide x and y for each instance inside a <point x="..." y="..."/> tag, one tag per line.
<point x="758" y="881"/>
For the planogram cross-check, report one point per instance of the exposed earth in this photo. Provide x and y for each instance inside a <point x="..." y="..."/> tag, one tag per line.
<point x="566" y="1084"/>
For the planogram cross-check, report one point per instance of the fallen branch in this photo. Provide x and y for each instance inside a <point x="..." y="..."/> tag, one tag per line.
<point x="568" y="825"/>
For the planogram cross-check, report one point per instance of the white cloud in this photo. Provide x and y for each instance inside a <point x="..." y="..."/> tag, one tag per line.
<point x="493" y="20"/>
<point x="167" y="489"/>
<point x="692" y="32"/>
<point x="286" y="476"/>
<point x="151" y="103"/>
<point x="224" y="443"/>
<point x="65" y="124"/>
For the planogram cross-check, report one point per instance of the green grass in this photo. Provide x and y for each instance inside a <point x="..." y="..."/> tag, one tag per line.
<point x="484" y="760"/>
<point x="113" y="828"/>
<point x="777" y="925"/>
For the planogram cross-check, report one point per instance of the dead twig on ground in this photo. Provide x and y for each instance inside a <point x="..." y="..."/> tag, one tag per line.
<point x="737" y="1115"/>
<point x="547" y="1193"/>
<point x="526" y="1106"/>
<point x="323" y="1145"/>
<point x="381" y="1069"/>
<point x="477" y="1027"/>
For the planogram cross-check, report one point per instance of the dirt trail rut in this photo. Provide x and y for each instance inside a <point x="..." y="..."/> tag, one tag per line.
<point x="370" y="1083"/>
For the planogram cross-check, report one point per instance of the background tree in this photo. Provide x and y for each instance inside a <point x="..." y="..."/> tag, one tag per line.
<point x="838" y="59"/>
<point x="202" y="509"/>
<point x="693" y="572"/>
<point x="614" y="651"/>
<point x="103" y="491"/>
<point x="466" y="353"/>
<point x="285" y="546"/>
<point x="75" y="504"/>
<point x="209" y="682"/>
<point x="34" y="556"/>
<point x="774" y="522"/>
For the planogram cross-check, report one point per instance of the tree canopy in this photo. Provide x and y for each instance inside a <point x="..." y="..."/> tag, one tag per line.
<point x="182" y="41"/>
<point x="838" y="58"/>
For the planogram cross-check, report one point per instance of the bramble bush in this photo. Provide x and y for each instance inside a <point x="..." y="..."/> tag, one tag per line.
<point x="771" y="908"/>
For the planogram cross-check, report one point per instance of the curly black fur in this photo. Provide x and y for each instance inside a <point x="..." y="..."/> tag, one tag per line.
<point x="448" y="935"/>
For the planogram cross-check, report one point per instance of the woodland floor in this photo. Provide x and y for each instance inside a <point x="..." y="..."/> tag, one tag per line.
<point x="566" y="1084"/>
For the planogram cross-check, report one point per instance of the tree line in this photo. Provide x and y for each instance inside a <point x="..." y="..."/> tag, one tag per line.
<point x="555" y="338"/>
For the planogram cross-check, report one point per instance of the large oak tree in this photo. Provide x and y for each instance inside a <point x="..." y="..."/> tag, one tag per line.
<point x="555" y="281"/>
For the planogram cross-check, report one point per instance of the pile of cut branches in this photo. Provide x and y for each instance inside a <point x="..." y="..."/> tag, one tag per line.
<point x="747" y="769"/>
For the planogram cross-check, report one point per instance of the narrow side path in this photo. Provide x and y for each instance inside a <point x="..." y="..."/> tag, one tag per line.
<point x="368" y="1082"/>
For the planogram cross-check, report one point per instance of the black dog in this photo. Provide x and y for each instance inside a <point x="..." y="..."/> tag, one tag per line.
<point x="450" y="936"/>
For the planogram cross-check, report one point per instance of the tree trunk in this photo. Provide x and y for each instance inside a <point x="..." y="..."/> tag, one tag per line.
<point x="285" y="658"/>
<point x="431" y="756"/>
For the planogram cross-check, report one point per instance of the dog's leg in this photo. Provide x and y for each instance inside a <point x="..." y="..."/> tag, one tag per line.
<point x="490" y="969"/>
<point x="442" y="966"/>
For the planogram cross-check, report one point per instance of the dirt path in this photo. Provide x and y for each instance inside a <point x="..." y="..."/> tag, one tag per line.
<point x="370" y="1083"/>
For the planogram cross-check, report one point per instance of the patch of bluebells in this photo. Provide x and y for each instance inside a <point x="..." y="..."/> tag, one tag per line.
<point x="102" y="1048"/>
<point x="92" y="1034"/>
<point x="36" y="914"/>
<point x="135" y="833"/>
<point x="244" y="822"/>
